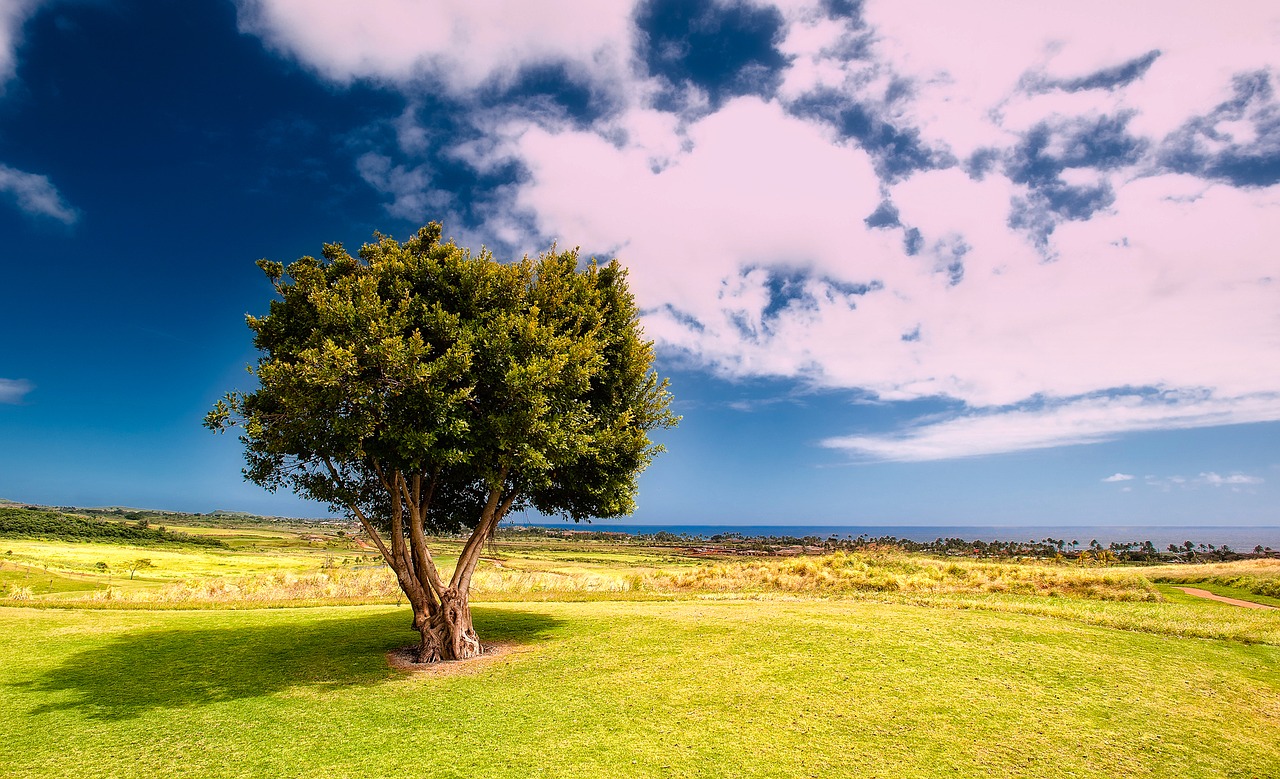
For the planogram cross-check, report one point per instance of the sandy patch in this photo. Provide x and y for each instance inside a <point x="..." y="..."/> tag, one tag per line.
<point x="402" y="660"/>
<point x="1199" y="593"/>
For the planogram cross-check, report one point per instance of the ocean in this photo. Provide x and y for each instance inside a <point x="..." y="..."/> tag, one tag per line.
<point x="1237" y="538"/>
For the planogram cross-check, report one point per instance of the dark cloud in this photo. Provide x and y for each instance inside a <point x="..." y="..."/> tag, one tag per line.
<point x="1046" y="206"/>
<point x="724" y="49"/>
<point x="1201" y="148"/>
<point x="1107" y="78"/>
<point x="688" y="320"/>
<point x="896" y="152"/>
<point x="1050" y="148"/>
<point x="982" y="162"/>
<point x="953" y="261"/>
<point x="795" y="289"/>
<point x="843" y="9"/>
<point x="554" y="89"/>
<point x="786" y="289"/>
<point x="886" y="215"/>
<point x="912" y="241"/>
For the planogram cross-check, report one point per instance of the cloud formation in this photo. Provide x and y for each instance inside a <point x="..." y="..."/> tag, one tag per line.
<point x="12" y="16"/>
<point x="1234" y="479"/>
<point x="32" y="193"/>
<point x="1062" y="222"/>
<point x="12" y="391"/>
<point x="460" y="44"/>
<point x="35" y="195"/>
<point x="1115" y="477"/>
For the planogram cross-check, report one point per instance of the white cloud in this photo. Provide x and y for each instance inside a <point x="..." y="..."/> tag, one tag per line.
<point x="13" y="13"/>
<point x="744" y="227"/>
<point x="35" y="194"/>
<point x="1081" y="421"/>
<point x="968" y="61"/>
<point x="463" y="43"/>
<point x="14" y="390"/>
<point x="1119" y="477"/>
<point x="1236" y="479"/>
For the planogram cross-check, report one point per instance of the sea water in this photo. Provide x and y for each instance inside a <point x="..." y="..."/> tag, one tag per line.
<point x="1240" y="539"/>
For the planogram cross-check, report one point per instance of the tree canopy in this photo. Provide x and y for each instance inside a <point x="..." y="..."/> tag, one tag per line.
<point x="425" y="389"/>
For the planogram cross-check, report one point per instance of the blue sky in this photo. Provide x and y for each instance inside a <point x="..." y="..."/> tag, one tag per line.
<point x="905" y="262"/>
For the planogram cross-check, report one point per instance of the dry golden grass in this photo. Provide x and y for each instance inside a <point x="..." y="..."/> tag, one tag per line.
<point x="842" y="573"/>
<point x="338" y="584"/>
<point x="891" y="571"/>
<point x="1261" y="577"/>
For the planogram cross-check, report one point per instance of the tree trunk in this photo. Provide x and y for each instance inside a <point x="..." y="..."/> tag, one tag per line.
<point x="447" y="632"/>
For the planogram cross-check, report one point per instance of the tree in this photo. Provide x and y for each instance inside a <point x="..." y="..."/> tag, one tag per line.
<point x="422" y="389"/>
<point x="138" y="565"/>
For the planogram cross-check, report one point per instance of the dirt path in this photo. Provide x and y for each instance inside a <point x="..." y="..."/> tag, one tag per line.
<point x="1233" y="601"/>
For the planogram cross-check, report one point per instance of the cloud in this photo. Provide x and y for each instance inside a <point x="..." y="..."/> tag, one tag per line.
<point x="1080" y="421"/>
<point x="462" y="44"/>
<point x="1119" y="477"/>
<point x="1010" y="209"/>
<point x="12" y="391"/>
<point x="1236" y="479"/>
<point x="32" y="193"/>
<point x="12" y="16"/>
<point x="35" y="195"/>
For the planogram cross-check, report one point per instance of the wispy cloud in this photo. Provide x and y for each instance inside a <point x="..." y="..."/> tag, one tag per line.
<point x="36" y="195"/>
<point x="1119" y="477"/>
<point x="1236" y="482"/>
<point x="13" y="13"/>
<point x="1080" y="421"/>
<point x="33" y="193"/>
<point x="12" y="391"/>
<point x="1231" y="480"/>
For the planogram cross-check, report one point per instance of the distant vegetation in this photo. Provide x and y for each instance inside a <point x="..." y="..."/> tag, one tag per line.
<point x="31" y="523"/>
<point x="1057" y="550"/>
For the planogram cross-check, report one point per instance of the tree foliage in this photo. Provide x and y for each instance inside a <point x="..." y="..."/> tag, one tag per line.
<point x="424" y="389"/>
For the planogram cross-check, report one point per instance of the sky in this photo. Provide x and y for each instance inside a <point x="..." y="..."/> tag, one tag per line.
<point x="905" y="262"/>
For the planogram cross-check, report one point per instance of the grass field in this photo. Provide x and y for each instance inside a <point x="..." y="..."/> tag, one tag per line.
<point x="689" y="688"/>
<point x="622" y="661"/>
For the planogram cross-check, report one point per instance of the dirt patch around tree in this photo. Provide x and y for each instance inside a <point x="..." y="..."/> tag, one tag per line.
<point x="402" y="659"/>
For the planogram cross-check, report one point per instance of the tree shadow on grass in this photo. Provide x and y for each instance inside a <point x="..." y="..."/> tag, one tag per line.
<point x="174" y="668"/>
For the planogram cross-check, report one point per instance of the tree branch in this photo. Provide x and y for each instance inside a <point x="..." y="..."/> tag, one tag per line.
<point x="489" y="519"/>
<point x="425" y="565"/>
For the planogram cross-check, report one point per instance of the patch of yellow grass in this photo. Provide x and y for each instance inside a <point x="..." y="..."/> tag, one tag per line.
<point x="336" y="584"/>
<point x="891" y="571"/>
<point x="1261" y="577"/>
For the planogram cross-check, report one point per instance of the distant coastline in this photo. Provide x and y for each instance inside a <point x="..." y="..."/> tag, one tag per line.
<point x="1237" y="538"/>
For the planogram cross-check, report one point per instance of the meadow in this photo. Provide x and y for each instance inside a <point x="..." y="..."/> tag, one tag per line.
<point x="269" y="657"/>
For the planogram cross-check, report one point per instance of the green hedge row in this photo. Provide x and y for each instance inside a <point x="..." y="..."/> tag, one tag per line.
<point x="31" y="523"/>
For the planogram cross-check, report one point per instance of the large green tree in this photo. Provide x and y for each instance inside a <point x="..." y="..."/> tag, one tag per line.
<point x="426" y="390"/>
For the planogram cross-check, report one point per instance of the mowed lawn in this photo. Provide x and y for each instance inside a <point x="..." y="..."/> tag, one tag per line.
<point x="688" y="688"/>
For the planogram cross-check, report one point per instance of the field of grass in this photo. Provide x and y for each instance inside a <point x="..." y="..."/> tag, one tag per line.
<point x="687" y="688"/>
<point x="626" y="660"/>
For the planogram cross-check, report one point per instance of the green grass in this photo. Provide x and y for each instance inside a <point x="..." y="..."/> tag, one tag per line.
<point x="1239" y="593"/>
<point x="33" y="523"/>
<point x="39" y="582"/>
<point x="630" y="661"/>
<point x="689" y="688"/>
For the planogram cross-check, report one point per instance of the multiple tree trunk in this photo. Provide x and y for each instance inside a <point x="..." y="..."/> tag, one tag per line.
<point x="441" y="612"/>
